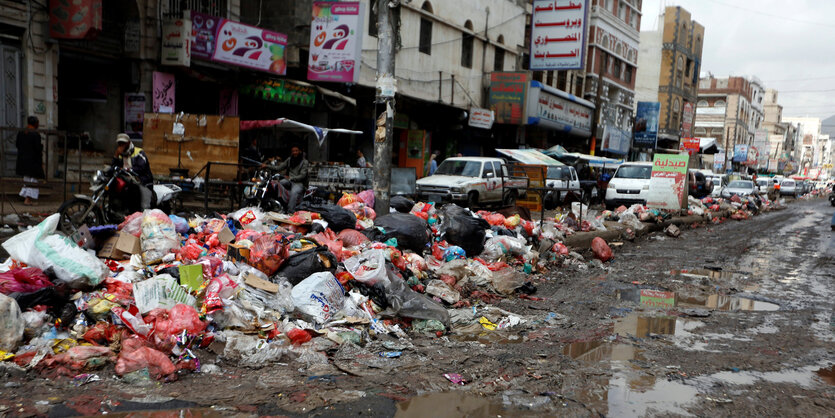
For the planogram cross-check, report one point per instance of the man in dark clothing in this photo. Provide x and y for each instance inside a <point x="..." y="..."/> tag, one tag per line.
<point x="133" y="159"/>
<point x="30" y="160"/>
<point x="296" y="168"/>
<point x="251" y="156"/>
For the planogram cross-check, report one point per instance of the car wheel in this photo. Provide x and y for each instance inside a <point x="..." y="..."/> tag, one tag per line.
<point x="511" y="198"/>
<point x="472" y="200"/>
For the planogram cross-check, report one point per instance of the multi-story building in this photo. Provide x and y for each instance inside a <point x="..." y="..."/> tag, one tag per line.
<point x="778" y="130"/>
<point x="613" y="57"/>
<point x="807" y="151"/>
<point x="668" y="73"/>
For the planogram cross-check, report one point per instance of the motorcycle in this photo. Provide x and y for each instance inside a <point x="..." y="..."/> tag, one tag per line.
<point x="271" y="192"/>
<point x="107" y="203"/>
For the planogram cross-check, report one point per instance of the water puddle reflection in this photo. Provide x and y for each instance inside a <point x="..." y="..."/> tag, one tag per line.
<point x="449" y="404"/>
<point x="710" y="274"/>
<point x="599" y="350"/>
<point x="806" y="376"/>
<point x="641" y="326"/>
<point x="668" y="300"/>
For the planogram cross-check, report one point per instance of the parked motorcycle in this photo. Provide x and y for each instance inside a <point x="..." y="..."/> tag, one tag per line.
<point x="110" y="200"/>
<point x="271" y="192"/>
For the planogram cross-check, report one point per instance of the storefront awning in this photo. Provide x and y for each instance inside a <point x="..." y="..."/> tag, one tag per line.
<point x="529" y="156"/>
<point x="708" y="146"/>
<point x="293" y="126"/>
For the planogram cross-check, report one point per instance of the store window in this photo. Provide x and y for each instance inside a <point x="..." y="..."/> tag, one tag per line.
<point x="498" y="56"/>
<point x="679" y="71"/>
<point x="676" y="110"/>
<point x="425" y="41"/>
<point x="467" y="46"/>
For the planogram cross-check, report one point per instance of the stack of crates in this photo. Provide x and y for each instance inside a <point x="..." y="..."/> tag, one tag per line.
<point x="536" y="175"/>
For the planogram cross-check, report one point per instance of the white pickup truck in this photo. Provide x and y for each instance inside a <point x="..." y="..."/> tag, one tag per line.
<point x="474" y="181"/>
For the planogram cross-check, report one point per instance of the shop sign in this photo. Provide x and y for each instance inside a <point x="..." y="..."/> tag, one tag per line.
<point x="481" y="118"/>
<point x="558" y="34"/>
<point x="646" y="125"/>
<point x="615" y="140"/>
<point x="667" y="183"/>
<point x="235" y="43"/>
<point x="740" y="153"/>
<point x="561" y="110"/>
<point x="133" y="35"/>
<point x="335" y="42"/>
<point x="176" y="37"/>
<point x="78" y="19"/>
<point x="203" y="35"/>
<point x="687" y="120"/>
<point x="163" y="101"/>
<point x="719" y="162"/>
<point x="134" y="113"/>
<point x="691" y="145"/>
<point x="281" y="91"/>
<point x="507" y="96"/>
<point x="772" y="165"/>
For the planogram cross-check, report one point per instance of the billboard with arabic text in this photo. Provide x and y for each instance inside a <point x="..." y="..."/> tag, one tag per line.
<point x="667" y="185"/>
<point x="335" y="42"/>
<point x="558" y="34"/>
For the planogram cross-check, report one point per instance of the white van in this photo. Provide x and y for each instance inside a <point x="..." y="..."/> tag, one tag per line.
<point x="629" y="185"/>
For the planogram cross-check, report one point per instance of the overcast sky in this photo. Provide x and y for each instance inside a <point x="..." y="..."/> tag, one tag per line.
<point x="789" y="45"/>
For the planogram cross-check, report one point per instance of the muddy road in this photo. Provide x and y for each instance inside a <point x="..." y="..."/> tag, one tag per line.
<point x="730" y="319"/>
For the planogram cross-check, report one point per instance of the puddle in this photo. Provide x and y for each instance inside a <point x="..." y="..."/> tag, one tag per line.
<point x="596" y="351"/>
<point x="827" y="375"/>
<point x="169" y="413"/>
<point x="625" y="398"/>
<point x="710" y="274"/>
<point x="805" y="377"/>
<point x="641" y="326"/>
<point x="668" y="300"/>
<point x="449" y="404"/>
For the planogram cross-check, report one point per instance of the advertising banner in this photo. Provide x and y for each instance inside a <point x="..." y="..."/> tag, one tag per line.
<point x="719" y="162"/>
<point x="740" y="153"/>
<point x="772" y="165"/>
<point x="563" y="113"/>
<point x="558" y="34"/>
<point x="763" y="148"/>
<point x="481" y="118"/>
<point x="507" y="96"/>
<point x="615" y="140"/>
<point x="691" y="145"/>
<point x="163" y="92"/>
<point x="667" y="185"/>
<point x="646" y="125"/>
<point x="687" y="120"/>
<point x="335" y="42"/>
<point x="203" y="35"/>
<point x="251" y="47"/>
<point x="134" y="114"/>
<point x="176" y="36"/>
<point x="77" y="19"/>
<point x="281" y="91"/>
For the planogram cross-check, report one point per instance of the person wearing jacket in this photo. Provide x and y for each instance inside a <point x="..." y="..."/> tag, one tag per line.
<point x="133" y="159"/>
<point x="296" y="169"/>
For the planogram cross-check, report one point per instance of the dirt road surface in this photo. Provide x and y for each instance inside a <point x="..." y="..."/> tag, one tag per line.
<point x="727" y="320"/>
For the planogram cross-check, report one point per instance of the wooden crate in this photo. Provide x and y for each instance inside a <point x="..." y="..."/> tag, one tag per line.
<point x="536" y="174"/>
<point x="207" y="138"/>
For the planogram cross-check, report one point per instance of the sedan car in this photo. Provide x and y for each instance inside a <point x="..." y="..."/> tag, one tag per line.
<point x="788" y="187"/>
<point x="742" y="188"/>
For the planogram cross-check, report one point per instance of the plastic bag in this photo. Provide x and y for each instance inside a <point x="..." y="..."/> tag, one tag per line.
<point x="497" y="247"/>
<point x="459" y="227"/>
<point x="268" y="253"/>
<point x="337" y="217"/>
<point x="347" y="199"/>
<point x="77" y="359"/>
<point x="401" y="204"/>
<point x="352" y="238"/>
<point x="23" y="280"/>
<point x="180" y="224"/>
<point x="361" y="211"/>
<point x="410" y="231"/>
<point x="11" y="324"/>
<point x="250" y="218"/>
<point x="507" y="280"/>
<point x="301" y="265"/>
<point x="136" y="355"/>
<point x="132" y="224"/>
<point x="405" y="302"/>
<point x="367" y="197"/>
<point x="158" y="236"/>
<point x="368" y="267"/>
<point x="169" y="324"/>
<point x="601" y="250"/>
<point x="40" y="247"/>
<point x="319" y="297"/>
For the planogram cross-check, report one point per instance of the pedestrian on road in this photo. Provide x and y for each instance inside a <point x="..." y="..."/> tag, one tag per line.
<point x="432" y="165"/>
<point x="30" y="160"/>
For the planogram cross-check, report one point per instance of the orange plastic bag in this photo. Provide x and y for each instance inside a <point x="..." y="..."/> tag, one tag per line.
<point x="347" y="199"/>
<point x="601" y="250"/>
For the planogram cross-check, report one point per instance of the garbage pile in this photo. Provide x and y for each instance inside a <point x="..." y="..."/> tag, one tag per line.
<point x="151" y="294"/>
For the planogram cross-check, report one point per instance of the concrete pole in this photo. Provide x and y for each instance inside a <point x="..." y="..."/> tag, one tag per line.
<point x="386" y="88"/>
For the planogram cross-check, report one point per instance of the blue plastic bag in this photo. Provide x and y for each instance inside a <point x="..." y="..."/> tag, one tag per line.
<point x="180" y="224"/>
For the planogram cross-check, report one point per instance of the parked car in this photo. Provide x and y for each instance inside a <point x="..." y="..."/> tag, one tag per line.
<point x="741" y="188"/>
<point x="472" y="181"/>
<point x="564" y="179"/>
<point x="629" y="185"/>
<point x="719" y="181"/>
<point x="699" y="186"/>
<point x="788" y="187"/>
<point x="763" y="185"/>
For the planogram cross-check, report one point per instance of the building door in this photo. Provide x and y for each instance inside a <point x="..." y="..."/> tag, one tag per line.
<point x="11" y="103"/>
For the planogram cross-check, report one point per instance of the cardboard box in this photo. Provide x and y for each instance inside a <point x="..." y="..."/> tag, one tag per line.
<point x="120" y="246"/>
<point x="237" y="252"/>
<point x="259" y="283"/>
<point x="225" y="235"/>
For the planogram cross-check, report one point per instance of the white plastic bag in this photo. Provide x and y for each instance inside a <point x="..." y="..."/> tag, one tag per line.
<point x="369" y="267"/>
<point x="11" y="324"/>
<point x="158" y="236"/>
<point x="40" y="247"/>
<point x="319" y="297"/>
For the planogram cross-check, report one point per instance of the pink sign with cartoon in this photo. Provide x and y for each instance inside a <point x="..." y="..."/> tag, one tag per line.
<point x="251" y="47"/>
<point x="335" y="42"/>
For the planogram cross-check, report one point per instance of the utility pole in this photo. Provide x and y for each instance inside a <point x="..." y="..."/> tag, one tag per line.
<point x="386" y="88"/>
<point x="604" y="58"/>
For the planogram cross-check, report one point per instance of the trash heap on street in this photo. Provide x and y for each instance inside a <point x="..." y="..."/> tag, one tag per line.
<point x="152" y="294"/>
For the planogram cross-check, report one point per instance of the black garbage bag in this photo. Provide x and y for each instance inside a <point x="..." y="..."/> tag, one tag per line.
<point x="460" y="228"/>
<point x="502" y="231"/>
<point x="401" y="204"/>
<point x="337" y="217"/>
<point x="405" y="302"/>
<point x="300" y="266"/>
<point x="411" y="232"/>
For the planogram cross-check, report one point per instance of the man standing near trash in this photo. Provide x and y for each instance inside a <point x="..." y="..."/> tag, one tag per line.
<point x="361" y="162"/>
<point x="30" y="160"/>
<point x="134" y="160"/>
<point x="296" y="168"/>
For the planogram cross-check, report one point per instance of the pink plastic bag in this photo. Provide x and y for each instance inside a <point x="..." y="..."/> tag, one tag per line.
<point x="136" y="355"/>
<point x="601" y="250"/>
<point x="132" y="224"/>
<point x="352" y="238"/>
<point x="23" y="280"/>
<point x="367" y="197"/>
<point x="170" y="323"/>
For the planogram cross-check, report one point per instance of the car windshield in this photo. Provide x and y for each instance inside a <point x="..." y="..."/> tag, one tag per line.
<point x="788" y="183"/>
<point x="762" y="182"/>
<point x="740" y="184"/>
<point x="633" y="172"/>
<point x="460" y="168"/>
<point x="558" y="173"/>
<point x="716" y="181"/>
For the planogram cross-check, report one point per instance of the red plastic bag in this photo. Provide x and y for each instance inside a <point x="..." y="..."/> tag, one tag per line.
<point x="601" y="250"/>
<point x="136" y="355"/>
<point x="298" y="336"/>
<point x="77" y="359"/>
<point x="170" y="323"/>
<point x="560" y="249"/>
<point x="23" y="280"/>
<point x="367" y="197"/>
<point x="347" y="199"/>
<point x="495" y="219"/>
<point x="102" y="333"/>
<point x="248" y="234"/>
<point x="268" y="253"/>
<point x="352" y="238"/>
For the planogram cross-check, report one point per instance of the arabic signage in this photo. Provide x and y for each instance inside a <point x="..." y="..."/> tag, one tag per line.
<point x="203" y="35"/>
<point x="163" y="92"/>
<point x="507" y="96"/>
<point x="667" y="184"/>
<point x="134" y="114"/>
<point x="658" y="299"/>
<point x="281" y="91"/>
<point x="176" y="35"/>
<point x="335" y="42"/>
<point x="772" y="165"/>
<point x="557" y="111"/>
<point x="691" y="145"/>
<point x="740" y="153"/>
<point x="687" y="119"/>
<point x="78" y="19"/>
<point x="719" y="162"/>
<point x="615" y="140"/>
<point x="223" y="40"/>
<point x="481" y="118"/>
<point x="761" y="143"/>
<point x="646" y="125"/>
<point x="558" y="34"/>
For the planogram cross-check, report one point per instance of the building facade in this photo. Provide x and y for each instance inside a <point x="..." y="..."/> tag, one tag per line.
<point x="723" y="111"/>
<point x="668" y="72"/>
